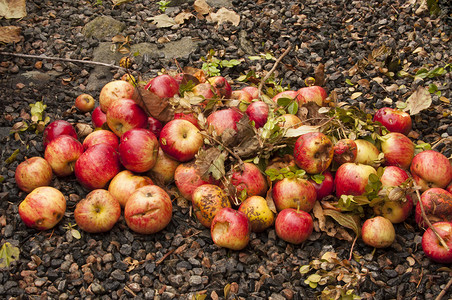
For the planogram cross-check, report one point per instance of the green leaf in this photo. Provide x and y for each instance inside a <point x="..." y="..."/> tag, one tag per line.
<point x="318" y="178"/>
<point x="304" y="269"/>
<point x="12" y="157"/>
<point x="37" y="110"/>
<point x="314" y="278"/>
<point x="349" y="82"/>
<point x="254" y="57"/>
<point x="292" y="108"/>
<point x="8" y="254"/>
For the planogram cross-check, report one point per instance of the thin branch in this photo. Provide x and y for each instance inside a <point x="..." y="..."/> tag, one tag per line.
<point x="444" y="290"/>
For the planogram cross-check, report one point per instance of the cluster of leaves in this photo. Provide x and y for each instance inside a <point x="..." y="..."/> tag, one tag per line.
<point x="38" y="120"/>
<point x="163" y="5"/>
<point x="212" y="64"/>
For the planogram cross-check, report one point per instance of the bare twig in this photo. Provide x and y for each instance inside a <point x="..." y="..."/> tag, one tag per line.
<point x="444" y="290"/>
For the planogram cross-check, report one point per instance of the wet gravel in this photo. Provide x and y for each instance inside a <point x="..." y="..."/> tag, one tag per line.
<point x="181" y="261"/>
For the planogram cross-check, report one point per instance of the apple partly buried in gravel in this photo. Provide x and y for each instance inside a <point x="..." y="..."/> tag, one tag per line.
<point x="258" y="113"/>
<point x="297" y="193"/>
<point x="223" y="119"/>
<point x="207" y="201"/>
<point x="313" y="152"/>
<point x="352" y="178"/>
<point x="293" y="226"/>
<point x="345" y="150"/>
<point x="97" y="166"/>
<point x="43" y="208"/>
<point x="101" y="136"/>
<point x="97" y="212"/>
<point x="437" y="204"/>
<point x="187" y="178"/>
<point x="148" y="210"/>
<point x="315" y="93"/>
<point x="394" y="120"/>
<point x="325" y="187"/>
<point x="433" y="248"/>
<point x="164" y="169"/>
<point x="56" y="129"/>
<point x="62" y="154"/>
<point x="258" y="212"/>
<point x="163" y="86"/>
<point x="98" y="117"/>
<point x="85" y="103"/>
<point x="125" y="183"/>
<point x="378" y="232"/>
<point x="180" y="139"/>
<point x="230" y="229"/>
<point x="126" y="114"/>
<point x="367" y="153"/>
<point x="33" y="172"/>
<point x="248" y="180"/>
<point x="113" y="91"/>
<point x="431" y="169"/>
<point x="398" y="150"/>
<point x="138" y="150"/>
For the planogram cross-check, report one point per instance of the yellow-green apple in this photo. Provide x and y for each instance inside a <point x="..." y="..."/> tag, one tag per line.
<point x="352" y="178"/>
<point x="97" y="212"/>
<point x="155" y="126"/>
<point x="437" y="204"/>
<point x="293" y="226"/>
<point x="431" y="169"/>
<point x="189" y="116"/>
<point x="378" y="232"/>
<point x="313" y="152"/>
<point x="148" y="210"/>
<point x="394" y="120"/>
<point x="125" y="183"/>
<point x="223" y="119"/>
<point x="290" y="121"/>
<point x="33" y="172"/>
<point x="98" y="117"/>
<point x="188" y="177"/>
<point x="164" y="169"/>
<point x="313" y="93"/>
<point x="126" y="114"/>
<point x="56" y="129"/>
<point x="180" y="139"/>
<point x="221" y="87"/>
<point x="43" y="208"/>
<point x="97" y="166"/>
<point x="164" y="86"/>
<point x="325" y="187"/>
<point x="258" y="212"/>
<point x="207" y="200"/>
<point x="230" y="229"/>
<point x="288" y="95"/>
<point x="85" y="103"/>
<point x="398" y="150"/>
<point x="252" y="90"/>
<point x="367" y="153"/>
<point x="295" y="193"/>
<point x="345" y="150"/>
<point x="258" y="113"/>
<point x="113" y="91"/>
<point x="101" y="136"/>
<point x="397" y="204"/>
<point x="248" y="180"/>
<point x="138" y="150"/>
<point x="62" y="153"/>
<point x="433" y="248"/>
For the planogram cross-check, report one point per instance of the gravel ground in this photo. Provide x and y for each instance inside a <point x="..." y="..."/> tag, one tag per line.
<point x="181" y="261"/>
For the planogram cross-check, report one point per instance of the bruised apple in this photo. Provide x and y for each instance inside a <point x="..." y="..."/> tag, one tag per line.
<point x="223" y="119"/>
<point x="230" y="229"/>
<point x="113" y="91"/>
<point x="258" y="213"/>
<point x="367" y="153"/>
<point x="431" y="169"/>
<point x="345" y="150"/>
<point x="207" y="200"/>
<point x="164" y="169"/>
<point x="437" y="204"/>
<point x="249" y="180"/>
<point x="313" y="152"/>
<point x="62" y="153"/>
<point x="315" y="93"/>
<point x="187" y="177"/>
<point x="394" y="120"/>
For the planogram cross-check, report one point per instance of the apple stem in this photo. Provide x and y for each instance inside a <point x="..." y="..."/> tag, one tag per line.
<point x="444" y="290"/>
<point x="429" y="224"/>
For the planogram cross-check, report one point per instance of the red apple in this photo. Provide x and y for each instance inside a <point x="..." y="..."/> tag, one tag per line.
<point x="148" y="210"/>
<point x="437" y="204"/>
<point x="113" y="91"/>
<point x="313" y="152"/>
<point x="367" y="153"/>
<point x="241" y="96"/>
<point x="394" y="120"/>
<point x="97" y="166"/>
<point x="378" y="232"/>
<point x="126" y="114"/>
<point x="223" y="119"/>
<point x="431" y="169"/>
<point x="163" y="86"/>
<point x="125" y="183"/>
<point x="294" y="193"/>
<point x="288" y="94"/>
<point x="138" y="150"/>
<point x="352" y="178"/>
<point x="164" y="169"/>
<point x="221" y="87"/>
<point x="326" y="187"/>
<point x="33" y="172"/>
<point x="258" y="212"/>
<point x="62" y="153"/>
<point x="449" y="188"/>
<point x="155" y="126"/>
<point x="98" y="117"/>
<point x="181" y="140"/>
<point x="43" y="208"/>
<point x="398" y="150"/>
<point x="97" y="212"/>
<point x="252" y="90"/>
<point x="230" y="229"/>
<point x="313" y="93"/>
<point x="187" y="116"/>
<point x="248" y="180"/>
<point x="204" y="90"/>
<point x="85" y="103"/>
<point x="433" y="248"/>
<point x="207" y="201"/>
<point x="294" y="226"/>
<point x="187" y="178"/>
<point x="258" y="113"/>
<point x="56" y="129"/>
<point x="101" y="136"/>
<point x="345" y="150"/>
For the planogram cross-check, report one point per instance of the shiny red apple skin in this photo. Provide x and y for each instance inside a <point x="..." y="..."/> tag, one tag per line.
<point x="125" y="183"/>
<point x="258" y="112"/>
<point x="62" y="154"/>
<point x="249" y="179"/>
<point x="437" y="204"/>
<point x="220" y="120"/>
<point x="43" y="208"/>
<point x="98" y="117"/>
<point x="294" y="226"/>
<point x="101" y="136"/>
<point x="207" y="201"/>
<point x="313" y="152"/>
<point x="378" y="232"/>
<point x="431" y="169"/>
<point x="33" y="172"/>
<point x="187" y="116"/>
<point x="187" y="178"/>
<point x="288" y="94"/>
<point x="56" y="129"/>
<point x="85" y="103"/>
<point x="98" y="212"/>
<point x="164" y="169"/>
<point x="252" y="90"/>
<point x="155" y="126"/>
<point x="148" y="210"/>
<point x="352" y="178"/>
<point x="398" y="150"/>
<point x="113" y="91"/>
<point x="367" y="153"/>
<point x="181" y="140"/>
<point x="294" y="193"/>
<point x="230" y="229"/>
<point x="97" y="166"/>
<point x="221" y="87"/>
<point x="326" y="187"/>
<point x="433" y="248"/>
<point x="315" y="93"/>
<point x="126" y="114"/>
<point x="394" y="120"/>
<point x="138" y="150"/>
<point x="163" y="86"/>
<point x="345" y="150"/>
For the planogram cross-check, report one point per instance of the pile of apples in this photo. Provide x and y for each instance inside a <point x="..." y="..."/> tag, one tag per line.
<point x="131" y="158"/>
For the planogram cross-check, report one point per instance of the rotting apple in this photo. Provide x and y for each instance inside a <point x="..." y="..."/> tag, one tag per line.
<point x="240" y="96"/>
<point x="297" y="193"/>
<point x="313" y="152"/>
<point x="207" y="201"/>
<point x="101" y="136"/>
<point x="352" y="178"/>
<point x="248" y="181"/>
<point x="258" y="212"/>
<point x="378" y="232"/>
<point x="394" y="120"/>
<point x="138" y="150"/>
<point x="113" y="91"/>
<point x="230" y="229"/>
<point x="33" y="172"/>
<point x="125" y="183"/>
<point x="430" y="168"/>
<point x="293" y="226"/>
<point x="367" y="153"/>
<point x="223" y="119"/>
<point x="437" y="203"/>
<point x="398" y="150"/>
<point x="187" y="178"/>
<point x="85" y="103"/>
<point x="62" y="153"/>
<point x="433" y="248"/>
<point x="163" y="86"/>
<point x="345" y="150"/>
<point x="126" y="114"/>
<point x="56" y="129"/>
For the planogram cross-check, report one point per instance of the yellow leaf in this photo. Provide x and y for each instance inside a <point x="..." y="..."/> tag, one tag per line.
<point x="355" y="95"/>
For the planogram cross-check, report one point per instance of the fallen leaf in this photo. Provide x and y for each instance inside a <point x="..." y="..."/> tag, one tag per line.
<point x="224" y="15"/>
<point x="355" y="95"/>
<point x="294" y="132"/>
<point x="118" y="2"/>
<point x="418" y="101"/>
<point x="12" y="9"/>
<point x="10" y="34"/>
<point x="201" y="7"/>
<point x="319" y="74"/>
<point x="180" y="18"/>
<point x="154" y="105"/>
<point x="162" y="21"/>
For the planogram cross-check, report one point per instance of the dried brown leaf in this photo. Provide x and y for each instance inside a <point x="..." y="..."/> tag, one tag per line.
<point x="201" y="7"/>
<point x="224" y="15"/>
<point x="181" y="17"/>
<point x="12" y="9"/>
<point x="10" y="34"/>
<point x="418" y="101"/>
<point x="157" y="107"/>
